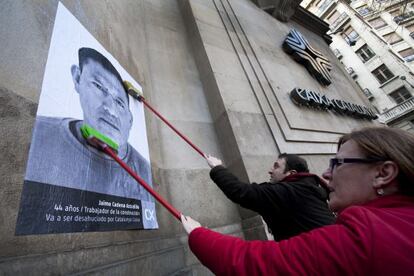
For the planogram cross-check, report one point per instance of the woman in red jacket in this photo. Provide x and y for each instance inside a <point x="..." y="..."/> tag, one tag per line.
<point x="371" y="184"/>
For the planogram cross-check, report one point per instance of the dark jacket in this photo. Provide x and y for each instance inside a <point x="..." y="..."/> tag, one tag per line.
<point x="296" y="205"/>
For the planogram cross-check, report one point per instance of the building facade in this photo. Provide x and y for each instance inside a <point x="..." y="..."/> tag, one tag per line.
<point x="218" y="70"/>
<point x="375" y="42"/>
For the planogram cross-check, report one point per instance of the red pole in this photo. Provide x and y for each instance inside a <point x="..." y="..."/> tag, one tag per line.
<point x="141" y="181"/>
<point x="172" y="127"/>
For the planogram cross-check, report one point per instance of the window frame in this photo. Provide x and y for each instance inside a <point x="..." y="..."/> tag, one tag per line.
<point x="349" y="34"/>
<point x="386" y="37"/>
<point x="401" y="97"/>
<point x="382" y="73"/>
<point x="379" y="26"/>
<point x="363" y="50"/>
<point x="407" y="58"/>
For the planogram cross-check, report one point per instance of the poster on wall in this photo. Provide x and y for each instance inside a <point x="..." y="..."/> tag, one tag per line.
<point x="70" y="186"/>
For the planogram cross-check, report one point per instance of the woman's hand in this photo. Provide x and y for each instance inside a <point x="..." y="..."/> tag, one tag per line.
<point x="189" y="224"/>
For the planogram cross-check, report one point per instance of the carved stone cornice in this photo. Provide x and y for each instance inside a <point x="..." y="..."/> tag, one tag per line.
<point x="285" y="9"/>
<point x="312" y="23"/>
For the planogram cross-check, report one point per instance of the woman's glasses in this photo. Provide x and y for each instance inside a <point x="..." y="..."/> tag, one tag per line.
<point x="339" y="161"/>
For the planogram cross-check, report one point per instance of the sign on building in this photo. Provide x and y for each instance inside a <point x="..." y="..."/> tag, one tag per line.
<point x="299" y="48"/>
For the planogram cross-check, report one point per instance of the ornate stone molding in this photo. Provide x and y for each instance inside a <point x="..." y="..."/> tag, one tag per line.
<point x="285" y="9"/>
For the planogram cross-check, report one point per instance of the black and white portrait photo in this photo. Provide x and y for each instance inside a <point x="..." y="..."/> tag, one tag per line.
<point x="83" y="84"/>
<point x="61" y="156"/>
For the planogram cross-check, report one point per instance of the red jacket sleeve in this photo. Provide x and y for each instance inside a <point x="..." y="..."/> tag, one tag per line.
<point x="331" y="250"/>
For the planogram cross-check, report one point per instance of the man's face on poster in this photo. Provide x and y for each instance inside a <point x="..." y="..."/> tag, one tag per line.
<point x="103" y="101"/>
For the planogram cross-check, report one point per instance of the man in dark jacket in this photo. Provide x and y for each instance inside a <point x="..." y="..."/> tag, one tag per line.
<point x="292" y="202"/>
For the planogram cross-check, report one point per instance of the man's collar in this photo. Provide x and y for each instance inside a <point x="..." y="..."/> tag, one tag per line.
<point x="300" y="175"/>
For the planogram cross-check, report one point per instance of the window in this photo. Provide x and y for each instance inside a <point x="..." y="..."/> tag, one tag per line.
<point x="392" y="38"/>
<point x="364" y="10"/>
<point x="351" y="32"/>
<point x="400" y="95"/>
<point x="365" y="53"/>
<point x="324" y="4"/>
<point x="377" y="23"/>
<point x="350" y="35"/>
<point x="407" y="54"/>
<point x="395" y="12"/>
<point x="411" y="30"/>
<point x="382" y="74"/>
<point x="333" y="17"/>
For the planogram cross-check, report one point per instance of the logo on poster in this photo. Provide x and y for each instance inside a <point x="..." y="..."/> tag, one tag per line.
<point x="149" y="214"/>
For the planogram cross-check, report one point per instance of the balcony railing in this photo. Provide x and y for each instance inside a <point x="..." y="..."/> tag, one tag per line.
<point x="337" y="53"/>
<point x="365" y="11"/>
<point x="342" y="19"/>
<point x="367" y="93"/>
<point x="351" y="72"/>
<point x="403" y="17"/>
<point x="324" y="7"/>
<point x="386" y="4"/>
<point x="397" y="111"/>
